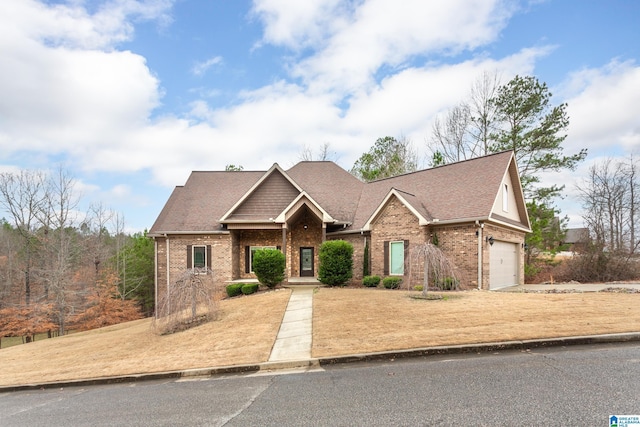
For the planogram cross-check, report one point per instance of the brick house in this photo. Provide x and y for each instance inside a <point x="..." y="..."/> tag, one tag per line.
<point x="475" y="209"/>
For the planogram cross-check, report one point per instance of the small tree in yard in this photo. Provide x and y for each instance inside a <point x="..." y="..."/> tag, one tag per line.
<point x="268" y="265"/>
<point x="190" y="301"/>
<point x="336" y="262"/>
<point x="430" y="265"/>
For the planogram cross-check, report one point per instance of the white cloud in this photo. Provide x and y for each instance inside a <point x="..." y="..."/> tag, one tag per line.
<point x="298" y="24"/>
<point x="386" y="33"/>
<point x="200" y="68"/>
<point x="602" y="106"/>
<point x="62" y="97"/>
<point x="70" y="25"/>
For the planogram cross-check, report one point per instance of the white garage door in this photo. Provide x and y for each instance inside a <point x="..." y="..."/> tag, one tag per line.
<point x="503" y="265"/>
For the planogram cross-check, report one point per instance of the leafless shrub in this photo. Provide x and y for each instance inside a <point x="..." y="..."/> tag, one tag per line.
<point x="431" y="267"/>
<point x="191" y="301"/>
<point x="596" y="265"/>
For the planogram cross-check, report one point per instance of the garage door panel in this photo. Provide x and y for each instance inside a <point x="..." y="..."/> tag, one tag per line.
<point x="503" y="265"/>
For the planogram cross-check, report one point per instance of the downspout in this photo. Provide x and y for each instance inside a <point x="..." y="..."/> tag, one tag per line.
<point x="168" y="288"/>
<point x="479" y="233"/>
<point x="155" y="276"/>
<point x="284" y="251"/>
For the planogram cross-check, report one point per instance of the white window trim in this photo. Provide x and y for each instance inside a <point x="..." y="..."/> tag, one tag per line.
<point x="391" y="273"/>
<point x="505" y="198"/>
<point x="252" y="249"/>
<point x="199" y="270"/>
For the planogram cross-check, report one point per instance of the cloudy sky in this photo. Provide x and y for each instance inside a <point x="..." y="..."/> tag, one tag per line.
<point x="131" y="95"/>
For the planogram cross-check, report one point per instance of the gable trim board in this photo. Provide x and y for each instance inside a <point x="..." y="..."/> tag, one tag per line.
<point x="316" y="201"/>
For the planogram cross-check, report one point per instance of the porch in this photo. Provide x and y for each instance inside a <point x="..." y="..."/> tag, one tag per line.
<point x="291" y="281"/>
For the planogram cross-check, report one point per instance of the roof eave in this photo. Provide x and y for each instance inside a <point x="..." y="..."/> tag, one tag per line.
<point x="185" y="232"/>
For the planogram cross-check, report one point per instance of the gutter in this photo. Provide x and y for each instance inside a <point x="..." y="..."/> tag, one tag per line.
<point x="184" y="233"/>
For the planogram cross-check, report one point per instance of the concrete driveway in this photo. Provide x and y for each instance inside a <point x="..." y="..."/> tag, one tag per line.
<point x="579" y="287"/>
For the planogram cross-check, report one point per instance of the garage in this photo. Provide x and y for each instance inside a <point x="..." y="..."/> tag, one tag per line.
<point x="503" y="265"/>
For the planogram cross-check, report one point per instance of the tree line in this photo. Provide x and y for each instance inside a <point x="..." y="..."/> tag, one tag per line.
<point x="62" y="269"/>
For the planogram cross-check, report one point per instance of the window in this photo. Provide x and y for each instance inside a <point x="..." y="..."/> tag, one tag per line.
<point x="253" y="250"/>
<point x="505" y="198"/>
<point x="199" y="257"/>
<point x="396" y="258"/>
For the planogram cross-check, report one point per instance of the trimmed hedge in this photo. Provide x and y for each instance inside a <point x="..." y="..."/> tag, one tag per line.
<point x="336" y="262"/>
<point x="250" y="288"/>
<point x="391" y="282"/>
<point x="268" y="265"/>
<point x="371" y="281"/>
<point x="234" y="289"/>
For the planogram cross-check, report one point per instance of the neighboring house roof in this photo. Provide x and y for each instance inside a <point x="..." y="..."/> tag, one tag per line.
<point x="457" y="192"/>
<point x="577" y="235"/>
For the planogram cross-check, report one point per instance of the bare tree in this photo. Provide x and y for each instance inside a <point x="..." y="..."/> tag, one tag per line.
<point x="23" y="195"/>
<point x="483" y="109"/>
<point x="464" y="132"/>
<point x="191" y="301"/>
<point x="608" y="197"/>
<point x="428" y="264"/>
<point x="97" y="228"/>
<point x="324" y="153"/>
<point x="60" y="251"/>
<point x="451" y="135"/>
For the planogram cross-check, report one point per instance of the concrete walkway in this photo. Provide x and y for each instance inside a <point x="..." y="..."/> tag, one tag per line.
<point x="294" y="338"/>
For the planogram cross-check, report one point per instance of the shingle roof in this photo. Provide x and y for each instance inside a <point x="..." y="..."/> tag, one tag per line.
<point x="203" y="200"/>
<point x="458" y="191"/>
<point x="332" y="187"/>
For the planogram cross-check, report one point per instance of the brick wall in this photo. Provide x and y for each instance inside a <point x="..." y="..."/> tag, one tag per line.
<point x="460" y="244"/>
<point x="254" y="238"/>
<point x="394" y="222"/>
<point x="221" y="257"/>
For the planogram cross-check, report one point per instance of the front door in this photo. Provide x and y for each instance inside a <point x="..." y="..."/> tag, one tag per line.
<point x="306" y="262"/>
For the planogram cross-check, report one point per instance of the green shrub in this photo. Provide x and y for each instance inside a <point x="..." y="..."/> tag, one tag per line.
<point x="234" y="289"/>
<point x="371" y="281"/>
<point x="336" y="262"/>
<point x="392" y="282"/>
<point x="418" y="288"/>
<point x="268" y="265"/>
<point x="448" y="283"/>
<point x="250" y="288"/>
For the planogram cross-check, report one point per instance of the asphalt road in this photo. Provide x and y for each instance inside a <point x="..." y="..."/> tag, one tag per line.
<point x="576" y="386"/>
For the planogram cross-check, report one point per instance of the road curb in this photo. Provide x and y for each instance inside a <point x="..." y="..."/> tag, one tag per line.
<point x="324" y="361"/>
<point x="483" y="348"/>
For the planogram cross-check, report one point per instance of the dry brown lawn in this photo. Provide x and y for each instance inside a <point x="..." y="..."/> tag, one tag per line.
<point x="345" y="321"/>
<point x="244" y="333"/>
